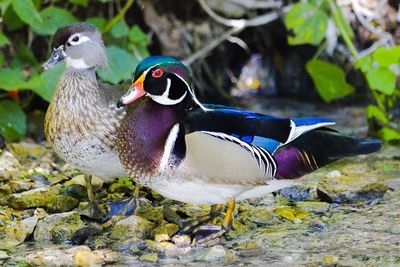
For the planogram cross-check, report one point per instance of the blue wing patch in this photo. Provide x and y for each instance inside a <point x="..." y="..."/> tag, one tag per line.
<point x="268" y="144"/>
<point x="310" y="121"/>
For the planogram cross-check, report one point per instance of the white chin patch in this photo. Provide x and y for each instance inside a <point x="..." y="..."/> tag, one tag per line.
<point x="77" y="63"/>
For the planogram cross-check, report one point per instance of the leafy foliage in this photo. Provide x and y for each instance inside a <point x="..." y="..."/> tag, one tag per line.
<point x="307" y="23"/>
<point x="39" y="20"/>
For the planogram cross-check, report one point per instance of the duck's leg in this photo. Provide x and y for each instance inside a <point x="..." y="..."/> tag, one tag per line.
<point x="93" y="206"/>
<point x="208" y="232"/>
<point x="192" y="225"/>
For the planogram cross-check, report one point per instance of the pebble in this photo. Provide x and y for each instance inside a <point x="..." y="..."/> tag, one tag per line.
<point x="133" y="226"/>
<point x="181" y="241"/>
<point x="215" y="253"/>
<point x="150" y="257"/>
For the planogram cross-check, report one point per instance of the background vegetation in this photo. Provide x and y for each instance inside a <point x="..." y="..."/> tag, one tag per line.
<point x="342" y="48"/>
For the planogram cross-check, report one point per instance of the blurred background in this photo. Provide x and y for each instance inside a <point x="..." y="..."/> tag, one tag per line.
<point x="267" y="55"/>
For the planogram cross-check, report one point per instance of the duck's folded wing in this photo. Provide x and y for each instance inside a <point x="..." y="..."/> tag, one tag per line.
<point x="227" y="144"/>
<point x="259" y="130"/>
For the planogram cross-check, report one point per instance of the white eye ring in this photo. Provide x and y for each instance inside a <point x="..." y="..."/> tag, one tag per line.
<point x="77" y="38"/>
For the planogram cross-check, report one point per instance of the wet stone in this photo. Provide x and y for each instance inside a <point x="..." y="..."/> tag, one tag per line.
<point x="17" y="231"/>
<point x="150" y="257"/>
<point x="9" y="166"/>
<point x="132" y="226"/>
<point x="181" y="241"/>
<point x="75" y="190"/>
<point x="39" y="197"/>
<point x="153" y="214"/>
<point x="351" y="190"/>
<point x="58" y="228"/>
<point x="97" y="183"/>
<point x="168" y="229"/>
<point x="215" y="253"/>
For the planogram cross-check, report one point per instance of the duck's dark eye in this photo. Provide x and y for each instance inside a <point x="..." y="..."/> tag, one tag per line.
<point x="75" y="39"/>
<point x="157" y="73"/>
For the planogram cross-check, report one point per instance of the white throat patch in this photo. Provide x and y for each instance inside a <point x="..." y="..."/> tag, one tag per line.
<point x="78" y="63"/>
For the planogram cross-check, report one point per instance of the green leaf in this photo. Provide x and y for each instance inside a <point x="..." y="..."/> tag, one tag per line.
<point x="137" y="36"/>
<point x="12" y="121"/>
<point x="388" y="134"/>
<point x="25" y="54"/>
<point x="121" y="65"/>
<point x="27" y="11"/>
<point x="382" y="80"/>
<point x="365" y="64"/>
<point x="120" y="30"/>
<point x="3" y="39"/>
<point x="386" y="57"/>
<point x="12" y="21"/>
<point x="97" y="21"/>
<point x="329" y="80"/>
<point x="1" y="59"/>
<point x="11" y="79"/>
<point x="307" y="23"/>
<point x="373" y="112"/>
<point x="53" y="18"/>
<point x="45" y="84"/>
<point x="4" y="4"/>
<point x="80" y="2"/>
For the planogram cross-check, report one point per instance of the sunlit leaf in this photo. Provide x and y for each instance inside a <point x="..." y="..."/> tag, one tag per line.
<point x="373" y="112"/>
<point x="97" y="21"/>
<point x="365" y="64"/>
<point x="53" y="18"/>
<point x="386" y="57"/>
<point x="382" y="80"/>
<point x="80" y="2"/>
<point x="121" y="65"/>
<point x="329" y="80"/>
<point x="137" y="36"/>
<point x="11" y="79"/>
<point x="12" y="121"/>
<point x="307" y="24"/>
<point x="3" y="39"/>
<point x="120" y="30"/>
<point x="389" y="135"/>
<point x="27" y="11"/>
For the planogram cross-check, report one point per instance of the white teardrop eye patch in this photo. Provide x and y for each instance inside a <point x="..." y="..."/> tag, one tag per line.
<point x="77" y="39"/>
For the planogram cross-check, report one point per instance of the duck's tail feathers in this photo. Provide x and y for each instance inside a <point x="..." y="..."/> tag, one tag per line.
<point x="318" y="148"/>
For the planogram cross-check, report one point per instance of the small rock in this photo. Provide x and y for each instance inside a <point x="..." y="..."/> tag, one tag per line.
<point x="313" y="206"/>
<point x="63" y="203"/>
<point x="121" y="188"/>
<point x="168" y="229"/>
<point x="25" y="150"/>
<point x="9" y="166"/>
<point x="333" y="174"/>
<point x="215" y="253"/>
<point x="181" y="241"/>
<point x="76" y="191"/>
<point x="97" y="183"/>
<point x="161" y="246"/>
<point x="40" y="213"/>
<point x="58" y="227"/>
<point x="17" y="231"/>
<point x="150" y="257"/>
<point x="161" y="237"/>
<point x="3" y="255"/>
<point x="80" y="236"/>
<point x="153" y="214"/>
<point x="351" y="190"/>
<point x="20" y="185"/>
<point x="39" y="180"/>
<point x="133" y="226"/>
<point x="71" y="256"/>
<point x="39" y="197"/>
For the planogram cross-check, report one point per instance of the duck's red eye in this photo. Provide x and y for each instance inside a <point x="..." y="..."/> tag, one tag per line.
<point x="157" y="73"/>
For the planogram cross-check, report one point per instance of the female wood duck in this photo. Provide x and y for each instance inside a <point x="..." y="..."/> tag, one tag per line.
<point x="209" y="154"/>
<point x="82" y="118"/>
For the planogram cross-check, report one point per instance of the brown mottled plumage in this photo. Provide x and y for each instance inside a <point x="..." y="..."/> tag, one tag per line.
<point x="82" y="118"/>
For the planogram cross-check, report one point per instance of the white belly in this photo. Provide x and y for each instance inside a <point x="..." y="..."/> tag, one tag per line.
<point x="91" y="157"/>
<point x="197" y="192"/>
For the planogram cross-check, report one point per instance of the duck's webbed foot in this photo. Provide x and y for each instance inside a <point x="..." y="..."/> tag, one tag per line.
<point x="94" y="210"/>
<point x="192" y="225"/>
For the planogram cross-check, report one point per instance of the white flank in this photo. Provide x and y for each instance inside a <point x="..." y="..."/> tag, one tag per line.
<point x="76" y="63"/>
<point x="169" y="145"/>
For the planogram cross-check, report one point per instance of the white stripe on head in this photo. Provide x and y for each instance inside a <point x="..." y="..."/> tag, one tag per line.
<point x="164" y="99"/>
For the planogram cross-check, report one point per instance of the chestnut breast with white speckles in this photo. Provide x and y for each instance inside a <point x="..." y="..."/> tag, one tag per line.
<point x="81" y="125"/>
<point x="142" y="136"/>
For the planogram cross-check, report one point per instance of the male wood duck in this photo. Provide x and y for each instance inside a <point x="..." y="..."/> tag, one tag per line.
<point x="207" y="154"/>
<point x="82" y="118"/>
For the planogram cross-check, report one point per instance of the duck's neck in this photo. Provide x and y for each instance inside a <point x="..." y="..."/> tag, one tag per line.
<point x="143" y="134"/>
<point x="76" y="83"/>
